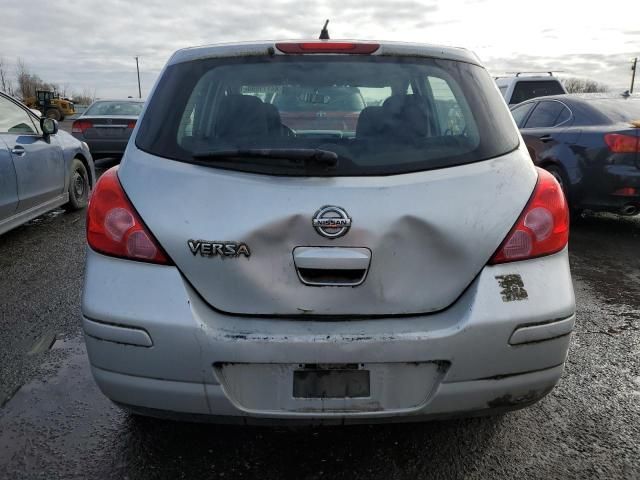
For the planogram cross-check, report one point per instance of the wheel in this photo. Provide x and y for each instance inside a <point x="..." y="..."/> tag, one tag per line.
<point x="53" y="113"/>
<point x="79" y="187"/>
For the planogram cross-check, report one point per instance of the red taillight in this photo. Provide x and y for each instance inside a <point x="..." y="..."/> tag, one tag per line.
<point x="626" y="192"/>
<point x="543" y="226"/>
<point x="328" y="47"/>
<point x="79" y="126"/>
<point x="619" y="143"/>
<point x="113" y="226"/>
<point x="131" y="124"/>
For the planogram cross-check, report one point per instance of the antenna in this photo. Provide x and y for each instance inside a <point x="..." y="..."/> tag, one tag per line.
<point x="324" y="33"/>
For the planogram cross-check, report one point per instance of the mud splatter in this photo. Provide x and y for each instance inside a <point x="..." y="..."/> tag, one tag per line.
<point x="512" y="288"/>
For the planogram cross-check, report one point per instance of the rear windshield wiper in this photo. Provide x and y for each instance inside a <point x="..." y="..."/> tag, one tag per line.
<point x="294" y="156"/>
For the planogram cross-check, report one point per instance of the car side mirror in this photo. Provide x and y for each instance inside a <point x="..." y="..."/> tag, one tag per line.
<point x="49" y="126"/>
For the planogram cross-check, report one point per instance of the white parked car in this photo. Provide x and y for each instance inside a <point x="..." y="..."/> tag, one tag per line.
<point x="524" y="86"/>
<point x="406" y="264"/>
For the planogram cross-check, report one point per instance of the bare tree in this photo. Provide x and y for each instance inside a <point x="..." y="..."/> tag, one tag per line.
<point x="84" y="98"/>
<point x="64" y="89"/>
<point x="6" y="84"/>
<point x="584" y="85"/>
<point x="29" y="82"/>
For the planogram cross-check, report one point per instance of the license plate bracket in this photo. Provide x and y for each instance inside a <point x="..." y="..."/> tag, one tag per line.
<point x="331" y="383"/>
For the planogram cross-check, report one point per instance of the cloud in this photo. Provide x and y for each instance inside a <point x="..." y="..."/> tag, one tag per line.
<point x="91" y="44"/>
<point x="612" y="70"/>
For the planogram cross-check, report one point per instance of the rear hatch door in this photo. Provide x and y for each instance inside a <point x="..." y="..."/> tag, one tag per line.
<point x="413" y="208"/>
<point x="429" y="233"/>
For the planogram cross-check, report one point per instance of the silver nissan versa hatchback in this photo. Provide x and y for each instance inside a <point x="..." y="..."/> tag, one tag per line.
<point x="384" y="251"/>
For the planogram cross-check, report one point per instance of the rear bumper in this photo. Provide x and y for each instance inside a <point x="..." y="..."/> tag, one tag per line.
<point x="101" y="148"/>
<point x="156" y="346"/>
<point x="601" y="197"/>
<point x="209" y="403"/>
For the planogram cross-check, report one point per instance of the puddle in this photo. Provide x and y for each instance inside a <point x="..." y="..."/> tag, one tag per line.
<point x="61" y="343"/>
<point x="54" y="424"/>
<point x="42" y="219"/>
<point x="43" y="343"/>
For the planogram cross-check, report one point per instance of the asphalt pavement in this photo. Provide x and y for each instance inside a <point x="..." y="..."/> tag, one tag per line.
<point x="54" y="422"/>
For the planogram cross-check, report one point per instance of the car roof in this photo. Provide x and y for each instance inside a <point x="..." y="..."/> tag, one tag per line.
<point x="134" y="100"/>
<point x="501" y="81"/>
<point x="11" y="97"/>
<point x="587" y="97"/>
<point x="262" y="48"/>
<point x="584" y="105"/>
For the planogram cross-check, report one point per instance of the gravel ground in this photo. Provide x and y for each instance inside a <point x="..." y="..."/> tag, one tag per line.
<point x="54" y="423"/>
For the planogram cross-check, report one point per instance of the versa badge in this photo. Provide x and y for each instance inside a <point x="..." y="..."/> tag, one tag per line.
<point x="218" y="249"/>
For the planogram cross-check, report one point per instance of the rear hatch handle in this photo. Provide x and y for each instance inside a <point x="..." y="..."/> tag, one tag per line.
<point x="332" y="266"/>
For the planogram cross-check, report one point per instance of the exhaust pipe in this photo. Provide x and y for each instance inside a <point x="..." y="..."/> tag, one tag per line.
<point x="629" y="209"/>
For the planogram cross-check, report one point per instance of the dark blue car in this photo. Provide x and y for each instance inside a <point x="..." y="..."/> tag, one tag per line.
<point x="591" y="144"/>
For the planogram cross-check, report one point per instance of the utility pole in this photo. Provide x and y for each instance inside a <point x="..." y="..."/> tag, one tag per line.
<point x="138" y="69"/>
<point x="633" y="75"/>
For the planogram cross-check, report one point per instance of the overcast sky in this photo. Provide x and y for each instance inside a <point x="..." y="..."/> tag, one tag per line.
<point x="90" y="44"/>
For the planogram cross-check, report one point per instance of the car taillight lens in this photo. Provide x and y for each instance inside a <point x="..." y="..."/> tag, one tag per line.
<point x="328" y="47"/>
<point x="626" y="192"/>
<point x="543" y="226"/>
<point x="131" y="124"/>
<point x="620" y="143"/>
<point x="115" y="229"/>
<point x="79" y="126"/>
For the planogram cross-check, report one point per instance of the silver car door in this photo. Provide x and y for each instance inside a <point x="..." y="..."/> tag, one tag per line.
<point x="38" y="161"/>
<point x="8" y="184"/>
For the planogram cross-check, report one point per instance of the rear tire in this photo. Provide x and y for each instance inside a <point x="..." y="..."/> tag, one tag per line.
<point x="79" y="187"/>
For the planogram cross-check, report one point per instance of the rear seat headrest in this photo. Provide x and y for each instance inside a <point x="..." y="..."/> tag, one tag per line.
<point x="407" y="115"/>
<point x="400" y="118"/>
<point x="370" y="122"/>
<point x="241" y="116"/>
<point x="274" y="122"/>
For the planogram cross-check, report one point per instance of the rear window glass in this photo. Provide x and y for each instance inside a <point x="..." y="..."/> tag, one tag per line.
<point x="525" y="90"/>
<point x="378" y="115"/>
<point x="115" y="108"/>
